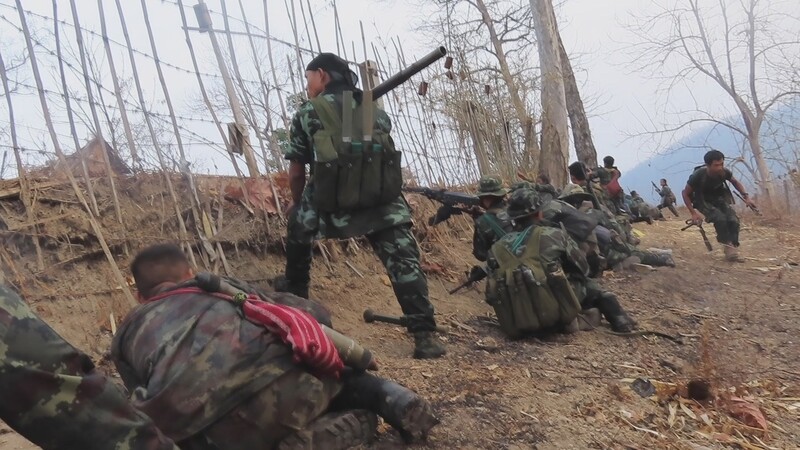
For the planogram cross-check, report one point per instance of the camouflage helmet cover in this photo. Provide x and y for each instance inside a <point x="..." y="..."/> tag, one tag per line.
<point x="491" y="185"/>
<point x="523" y="202"/>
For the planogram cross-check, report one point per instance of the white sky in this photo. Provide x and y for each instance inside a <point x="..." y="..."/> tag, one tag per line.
<point x="623" y="100"/>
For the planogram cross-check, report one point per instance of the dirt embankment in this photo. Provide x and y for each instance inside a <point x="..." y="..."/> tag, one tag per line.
<point x="736" y="323"/>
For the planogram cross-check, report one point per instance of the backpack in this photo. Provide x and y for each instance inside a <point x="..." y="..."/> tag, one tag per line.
<point x="697" y="197"/>
<point x="356" y="174"/>
<point x="528" y="297"/>
<point x="577" y="224"/>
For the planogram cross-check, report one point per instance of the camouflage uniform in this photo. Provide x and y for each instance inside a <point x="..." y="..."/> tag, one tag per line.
<point x="387" y="227"/>
<point x="52" y="395"/>
<point x="494" y="223"/>
<point x="713" y="198"/>
<point x="558" y="249"/>
<point x="641" y="210"/>
<point x="211" y="379"/>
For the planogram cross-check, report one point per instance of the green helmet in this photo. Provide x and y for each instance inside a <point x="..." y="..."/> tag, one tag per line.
<point x="574" y="193"/>
<point x="491" y="185"/>
<point x="523" y="202"/>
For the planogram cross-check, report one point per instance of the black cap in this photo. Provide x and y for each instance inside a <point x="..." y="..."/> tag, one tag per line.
<point x="333" y="64"/>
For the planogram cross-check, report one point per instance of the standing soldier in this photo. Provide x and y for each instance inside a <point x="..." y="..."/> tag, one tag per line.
<point x="494" y="223"/>
<point x="708" y="193"/>
<point x="354" y="190"/>
<point x="667" y="198"/>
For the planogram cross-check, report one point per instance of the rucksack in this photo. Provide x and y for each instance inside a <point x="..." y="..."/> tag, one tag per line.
<point x="528" y="297"/>
<point x="577" y="224"/>
<point x="357" y="174"/>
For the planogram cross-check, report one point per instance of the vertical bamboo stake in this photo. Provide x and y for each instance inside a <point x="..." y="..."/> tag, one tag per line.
<point x="207" y="101"/>
<point x="296" y="39"/>
<point x="63" y="160"/>
<point x="95" y="117"/>
<point x="87" y="179"/>
<point x="238" y="117"/>
<point x="284" y="116"/>
<point x="276" y="154"/>
<point x="339" y="34"/>
<point x="126" y="125"/>
<point x="183" y="234"/>
<point x="194" y="200"/>
<point x="308" y="31"/>
<point x="25" y="192"/>
<point x="313" y="25"/>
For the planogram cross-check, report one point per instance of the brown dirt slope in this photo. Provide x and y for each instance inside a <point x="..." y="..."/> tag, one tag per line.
<point x="737" y="324"/>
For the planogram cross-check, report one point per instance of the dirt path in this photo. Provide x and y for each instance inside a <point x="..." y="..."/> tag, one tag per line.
<point x="738" y="324"/>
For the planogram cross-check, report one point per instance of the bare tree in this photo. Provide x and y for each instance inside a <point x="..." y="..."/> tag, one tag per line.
<point x="746" y="48"/>
<point x="555" y="126"/>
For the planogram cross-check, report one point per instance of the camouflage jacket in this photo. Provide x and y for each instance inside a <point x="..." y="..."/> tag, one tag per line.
<point x="190" y="358"/>
<point x="490" y="227"/>
<point x="52" y="395"/>
<point x="555" y="248"/>
<point x="342" y="225"/>
<point x="667" y="194"/>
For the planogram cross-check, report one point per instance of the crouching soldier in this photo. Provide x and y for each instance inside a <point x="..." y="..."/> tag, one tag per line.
<point x="538" y="278"/>
<point x="220" y="371"/>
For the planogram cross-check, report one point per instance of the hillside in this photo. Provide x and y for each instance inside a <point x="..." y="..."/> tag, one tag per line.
<point x="734" y="326"/>
<point x="778" y="138"/>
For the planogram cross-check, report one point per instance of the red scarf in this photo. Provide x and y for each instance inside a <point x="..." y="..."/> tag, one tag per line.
<point x="297" y="328"/>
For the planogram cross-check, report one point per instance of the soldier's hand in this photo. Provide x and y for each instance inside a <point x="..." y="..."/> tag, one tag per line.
<point x="697" y="218"/>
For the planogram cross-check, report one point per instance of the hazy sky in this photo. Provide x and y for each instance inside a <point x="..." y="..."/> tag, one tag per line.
<point x="622" y="101"/>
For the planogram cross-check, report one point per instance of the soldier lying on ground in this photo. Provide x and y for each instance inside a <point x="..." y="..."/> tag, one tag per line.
<point x="641" y="211"/>
<point x="549" y="274"/>
<point x="613" y="246"/>
<point x="213" y="379"/>
<point x="51" y="394"/>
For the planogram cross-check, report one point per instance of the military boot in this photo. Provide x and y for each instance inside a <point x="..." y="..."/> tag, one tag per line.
<point x="621" y="323"/>
<point x="657" y="259"/>
<point x="334" y="431"/>
<point x="732" y="253"/>
<point x="403" y="409"/>
<point x="282" y="284"/>
<point x="427" y="346"/>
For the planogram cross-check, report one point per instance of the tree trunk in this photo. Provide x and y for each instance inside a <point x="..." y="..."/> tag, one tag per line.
<point x="764" y="173"/>
<point x="525" y="119"/>
<point x="555" y="139"/>
<point x="581" y="133"/>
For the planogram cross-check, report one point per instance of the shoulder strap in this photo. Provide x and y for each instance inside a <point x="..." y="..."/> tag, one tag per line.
<point x="495" y="226"/>
<point x="330" y="119"/>
<point x="520" y="239"/>
<point x="533" y="244"/>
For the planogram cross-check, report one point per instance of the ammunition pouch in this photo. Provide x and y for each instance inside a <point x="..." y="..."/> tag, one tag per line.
<point x="353" y="175"/>
<point x="527" y="296"/>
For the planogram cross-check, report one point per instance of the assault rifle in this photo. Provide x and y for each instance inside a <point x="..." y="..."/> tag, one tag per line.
<point x="477" y="273"/>
<point x="589" y="187"/>
<point x="753" y="208"/>
<point x="690" y="224"/>
<point x="658" y="191"/>
<point x="450" y="201"/>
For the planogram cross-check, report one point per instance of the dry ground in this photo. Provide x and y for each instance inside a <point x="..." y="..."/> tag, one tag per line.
<point x="737" y="323"/>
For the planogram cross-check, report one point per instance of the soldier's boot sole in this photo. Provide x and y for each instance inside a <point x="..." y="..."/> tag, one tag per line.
<point x="334" y="431"/>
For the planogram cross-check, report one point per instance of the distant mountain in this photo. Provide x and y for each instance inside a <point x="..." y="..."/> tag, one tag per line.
<point x="780" y="137"/>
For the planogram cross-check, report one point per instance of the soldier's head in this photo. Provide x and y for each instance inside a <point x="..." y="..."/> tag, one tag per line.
<point x="490" y="190"/>
<point x="158" y="265"/>
<point x="325" y="69"/>
<point x="608" y="162"/>
<point x="578" y="173"/>
<point x="574" y="195"/>
<point x="634" y="194"/>
<point x="715" y="162"/>
<point x="543" y="178"/>
<point x="524" y="207"/>
<point x="663" y="182"/>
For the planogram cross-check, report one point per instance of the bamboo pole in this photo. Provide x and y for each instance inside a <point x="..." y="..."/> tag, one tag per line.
<point x="293" y="17"/>
<point x="95" y="117"/>
<point x="274" y="72"/>
<point x="182" y="232"/>
<point x="70" y="116"/>
<point x="238" y="117"/>
<point x="184" y="165"/>
<point x="25" y="192"/>
<point x="305" y="23"/>
<point x="49" y="122"/>
<point x="313" y="25"/>
<point x="126" y="125"/>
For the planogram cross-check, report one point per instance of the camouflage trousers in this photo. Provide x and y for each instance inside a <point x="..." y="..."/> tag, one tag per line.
<point x="669" y="204"/>
<point x="52" y="395"/>
<point x="592" y="295"/>
<point x="725" y="221"/>
<point x="395" y="247"/>
<point x="287" y="406"/>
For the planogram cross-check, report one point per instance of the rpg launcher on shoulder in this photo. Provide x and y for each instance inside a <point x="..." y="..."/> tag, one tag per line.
<point x="477" y="273"/>
<point x="403" y="76"/>
<point x="453" y="203"/>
